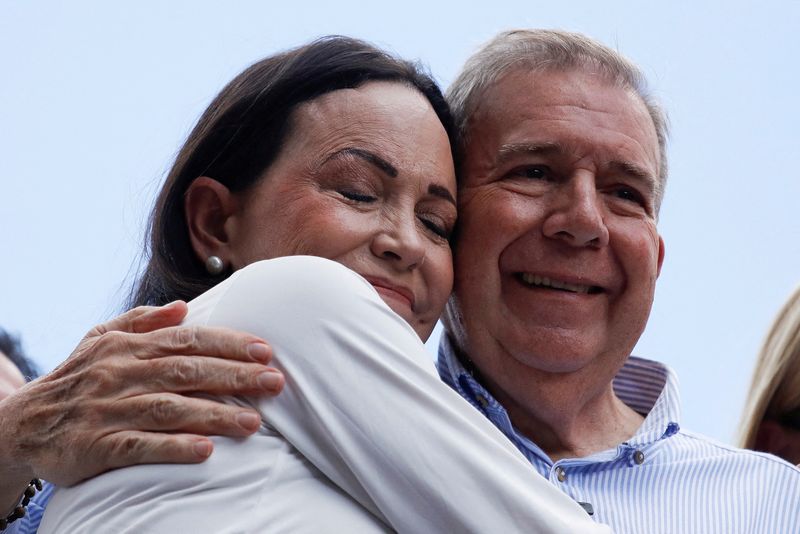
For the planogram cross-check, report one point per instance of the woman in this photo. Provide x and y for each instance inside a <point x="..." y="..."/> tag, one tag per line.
<point x="340" y="151"/>
<point x="771" y="420"/>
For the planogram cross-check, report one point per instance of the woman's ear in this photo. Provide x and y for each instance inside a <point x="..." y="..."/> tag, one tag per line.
<point x="208" y="205"/>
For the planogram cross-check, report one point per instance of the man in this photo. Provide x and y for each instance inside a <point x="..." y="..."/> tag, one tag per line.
<point x="557" y="254"/>
<point x="563" y="170"/>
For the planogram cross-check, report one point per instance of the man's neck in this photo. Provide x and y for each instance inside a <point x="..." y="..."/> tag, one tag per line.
<point x="563" y="428"/>
<point x="567" y="415"/>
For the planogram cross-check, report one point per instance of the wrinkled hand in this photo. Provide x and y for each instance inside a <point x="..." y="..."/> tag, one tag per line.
<point x="119" y="399"/>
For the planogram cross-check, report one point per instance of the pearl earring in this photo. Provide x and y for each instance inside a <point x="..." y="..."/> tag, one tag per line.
<point x="214" y="265"/>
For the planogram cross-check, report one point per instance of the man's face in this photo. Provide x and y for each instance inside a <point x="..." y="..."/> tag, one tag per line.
<point x="557" y="252"/>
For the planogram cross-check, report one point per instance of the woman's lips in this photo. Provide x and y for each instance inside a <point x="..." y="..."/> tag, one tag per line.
<point x="395" y="292"/>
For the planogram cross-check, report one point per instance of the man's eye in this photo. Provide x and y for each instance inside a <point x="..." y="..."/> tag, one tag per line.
<point x="629" y="194"/>
<point x="357" y="197"/>
<point x="534" y="172"/>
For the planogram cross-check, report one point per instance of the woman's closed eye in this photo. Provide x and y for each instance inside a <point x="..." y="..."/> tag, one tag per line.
<point x="437" y="226"/>
<point x="357" y="196"/>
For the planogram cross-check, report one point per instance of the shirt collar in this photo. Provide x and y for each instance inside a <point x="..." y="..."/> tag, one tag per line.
<point x="648" y="387"/>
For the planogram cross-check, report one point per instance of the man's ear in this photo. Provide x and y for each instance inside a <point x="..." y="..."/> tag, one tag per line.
<point x="208" y="205"/>
<point x="661" y="251"/>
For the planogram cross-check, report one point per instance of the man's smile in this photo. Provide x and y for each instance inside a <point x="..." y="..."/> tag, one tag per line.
<point x="534" y="280"/>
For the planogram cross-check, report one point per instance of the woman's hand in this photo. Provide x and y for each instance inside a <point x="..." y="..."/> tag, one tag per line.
<point x="120" y="399"/>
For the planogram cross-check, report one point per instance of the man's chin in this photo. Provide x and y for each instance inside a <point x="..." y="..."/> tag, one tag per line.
<point x="555" y="354"/>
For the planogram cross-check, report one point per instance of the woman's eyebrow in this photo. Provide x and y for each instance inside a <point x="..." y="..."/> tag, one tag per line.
<point x="374" y="159"/>
<point x="441" y="192"/>
<point x="388" y="169"/>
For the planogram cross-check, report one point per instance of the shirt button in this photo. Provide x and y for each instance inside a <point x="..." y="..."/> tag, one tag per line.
<point x="561" y="474"/>
<point x="483" y="401"/>
<point x="638" y="457"/>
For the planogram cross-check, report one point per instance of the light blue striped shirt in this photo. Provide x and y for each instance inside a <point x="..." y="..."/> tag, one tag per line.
<point x="664" y="479"/>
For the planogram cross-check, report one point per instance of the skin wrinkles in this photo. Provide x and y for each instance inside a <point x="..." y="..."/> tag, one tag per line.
<point x="359" y="128"/>
<point x="364" y="178"/>
<point x="376" y="160"/>
<point x="519" y="152"/>
<point x="565" y="211"/>
<point x="558" y="114"/>
<point x="384" y="166"/>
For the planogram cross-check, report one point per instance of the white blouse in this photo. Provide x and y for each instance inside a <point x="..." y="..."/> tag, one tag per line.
<point x="364" y="437"/>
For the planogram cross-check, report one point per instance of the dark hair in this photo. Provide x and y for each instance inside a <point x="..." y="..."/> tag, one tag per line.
<point x="240" y="135"/>
<point x="11" y="347"/>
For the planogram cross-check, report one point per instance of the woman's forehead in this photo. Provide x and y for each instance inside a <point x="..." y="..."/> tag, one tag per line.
<point x="389" y="119"/>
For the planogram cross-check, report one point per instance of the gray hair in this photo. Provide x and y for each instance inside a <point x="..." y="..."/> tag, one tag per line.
<point x="549" y="50"/>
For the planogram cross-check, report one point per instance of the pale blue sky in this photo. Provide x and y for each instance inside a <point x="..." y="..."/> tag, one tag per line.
<point x="96" y="97"/>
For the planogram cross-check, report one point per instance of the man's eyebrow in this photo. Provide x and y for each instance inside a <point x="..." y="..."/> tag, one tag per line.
<point x="636" y="172"/>
<point x="628" y="168"/>
<point x="368" y="156"/>
<point x="510" y="150"/>
<point x="441" y="192"/>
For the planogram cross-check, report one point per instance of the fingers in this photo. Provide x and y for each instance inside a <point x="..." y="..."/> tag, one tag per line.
<point x="203" y="341"/>
<point x="111" y="380"/>
<point x="167" y="412"/>
<point x="162" y="337"/>
<point x="144" y="319"/>
<point x="133" y="447"/>
<point x="209" y="375"/>
<point x="161" y="317"/>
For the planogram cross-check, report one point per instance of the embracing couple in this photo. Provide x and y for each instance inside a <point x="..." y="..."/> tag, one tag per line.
<point x="521" y="209"/>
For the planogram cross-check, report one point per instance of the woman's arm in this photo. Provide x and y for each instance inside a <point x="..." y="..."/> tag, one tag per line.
<point x="364" y="404"/>
<point x="96" y="411"/>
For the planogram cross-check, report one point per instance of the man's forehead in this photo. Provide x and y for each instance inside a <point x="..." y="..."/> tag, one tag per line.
<point x="519" y="91"/>
<point x="544" y="112"/>
<point x="512" y="100"/>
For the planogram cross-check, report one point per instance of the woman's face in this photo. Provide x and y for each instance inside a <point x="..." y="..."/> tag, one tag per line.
<point x="365" y="178"/>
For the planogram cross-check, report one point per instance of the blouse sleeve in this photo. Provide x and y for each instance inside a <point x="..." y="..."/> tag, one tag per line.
<point x="364" y="404"/>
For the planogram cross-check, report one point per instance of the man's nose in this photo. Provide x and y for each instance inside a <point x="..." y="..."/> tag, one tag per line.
<point x="576" y="215"/>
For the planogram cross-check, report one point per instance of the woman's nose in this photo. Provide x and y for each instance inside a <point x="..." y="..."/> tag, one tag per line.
<point x="401" y="244"/>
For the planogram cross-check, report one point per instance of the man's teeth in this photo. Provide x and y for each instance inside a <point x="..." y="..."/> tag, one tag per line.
<point x="543" y="281"/>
